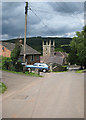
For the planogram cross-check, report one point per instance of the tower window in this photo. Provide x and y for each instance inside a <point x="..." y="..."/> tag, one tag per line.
<point x="44" y="42"/>
<point x="48" y="42"/>
<point x="51" y="42"/>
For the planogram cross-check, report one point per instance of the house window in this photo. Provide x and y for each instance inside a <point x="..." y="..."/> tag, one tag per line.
<point x="55" y="53"/>
<point x="37" y="57"/>
<point x="32" y="58"/>
<point x="3" y="48"/>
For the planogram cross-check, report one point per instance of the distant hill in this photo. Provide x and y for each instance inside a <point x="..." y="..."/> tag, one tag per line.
<point x="61" y="44"/>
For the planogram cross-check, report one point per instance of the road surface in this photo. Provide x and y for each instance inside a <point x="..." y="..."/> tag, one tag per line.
<point x="56" y="95"/>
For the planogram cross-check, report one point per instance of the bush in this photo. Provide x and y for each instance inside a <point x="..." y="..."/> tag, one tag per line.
<point x="18" y="66"/>
<point x="59" y="68"/>
<point x="7" y="64"/>
<point x="3" y="88"/>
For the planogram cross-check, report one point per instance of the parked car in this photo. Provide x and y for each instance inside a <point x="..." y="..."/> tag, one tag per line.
<point x="41" y="66"/>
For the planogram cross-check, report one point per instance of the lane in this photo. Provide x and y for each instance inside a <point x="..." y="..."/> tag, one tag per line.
<point x="16" y="82"/>
<point x="56" y="95"/>
<point x="65" y="99"/>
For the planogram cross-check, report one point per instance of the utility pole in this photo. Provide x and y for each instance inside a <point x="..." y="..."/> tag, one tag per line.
<point x="26" y="10"/>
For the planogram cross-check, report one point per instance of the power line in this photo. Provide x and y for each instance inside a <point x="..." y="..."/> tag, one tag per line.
<point x="40" y="19"/>
<point x="37" y="16"/>
<point x="35" y="12"/>
<point x="69" y="9"/>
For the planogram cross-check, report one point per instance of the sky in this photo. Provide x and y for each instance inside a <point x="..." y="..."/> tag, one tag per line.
<point x="54" y="19"/>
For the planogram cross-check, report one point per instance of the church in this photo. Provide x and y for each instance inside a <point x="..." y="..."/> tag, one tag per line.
<point x="50" y="56"/>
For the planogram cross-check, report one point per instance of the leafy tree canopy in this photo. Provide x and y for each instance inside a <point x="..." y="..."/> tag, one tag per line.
<point x="16" y="51"/>
<point x="78" y="48"/>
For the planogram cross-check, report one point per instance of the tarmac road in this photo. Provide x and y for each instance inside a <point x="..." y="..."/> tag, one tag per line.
<point x="56" y="95"/>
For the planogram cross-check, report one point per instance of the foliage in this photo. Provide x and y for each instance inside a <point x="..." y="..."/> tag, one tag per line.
<point x="36" y="43"/>
<point x="16" y="52"/>
<point x="66" y="48"/>
<point x="6" y="63"/>
<point x="59" y="49"/>
<point x="0" y="62"/>
<point x="59" y="68"/>
<point x="18" y="66"/>
<point x="79" y="71"/>
<point x="78" y="49"/>
<point x="3" y="88"/>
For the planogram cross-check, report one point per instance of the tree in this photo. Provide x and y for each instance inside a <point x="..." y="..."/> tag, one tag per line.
<point x="16" y="52"/>
<point x="78" y="49"/>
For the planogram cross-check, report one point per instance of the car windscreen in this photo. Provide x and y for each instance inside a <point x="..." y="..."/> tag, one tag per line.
<point x="35" y="64"/>
<point x="41" y="65"/>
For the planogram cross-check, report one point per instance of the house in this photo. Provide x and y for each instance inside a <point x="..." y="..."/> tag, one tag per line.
<point x="50" y="56"/>
<point x="32" y="56"/>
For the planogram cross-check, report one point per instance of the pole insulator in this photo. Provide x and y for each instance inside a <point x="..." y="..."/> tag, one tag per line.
<point x="26" y="8"/>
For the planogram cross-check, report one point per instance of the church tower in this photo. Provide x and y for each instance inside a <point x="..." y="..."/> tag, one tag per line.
<point x="48" y="48"/>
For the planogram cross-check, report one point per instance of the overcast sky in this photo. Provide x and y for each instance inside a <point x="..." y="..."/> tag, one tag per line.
<point x="60" y="19"/>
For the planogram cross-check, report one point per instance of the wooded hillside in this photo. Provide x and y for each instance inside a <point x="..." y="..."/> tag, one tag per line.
<point x="61" y="44"/>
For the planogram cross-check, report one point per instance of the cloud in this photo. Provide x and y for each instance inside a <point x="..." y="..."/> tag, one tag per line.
<point x="12" y="18"/>
<point x="45" y="19"/>
<point x="68" y="7"/>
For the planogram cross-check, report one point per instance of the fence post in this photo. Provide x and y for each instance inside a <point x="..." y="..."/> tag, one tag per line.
<point x="51" y="67"/>
<point x="38" y="71"/>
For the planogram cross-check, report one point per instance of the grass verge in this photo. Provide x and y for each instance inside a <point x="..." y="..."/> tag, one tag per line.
<point x="59" y="71"/>
<point x="81" y="71"/>
<point x="26" y="73"/>
<point x="3" y="88"/>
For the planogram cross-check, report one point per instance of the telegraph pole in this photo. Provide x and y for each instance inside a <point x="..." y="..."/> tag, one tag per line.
<point x="26" y="10"/>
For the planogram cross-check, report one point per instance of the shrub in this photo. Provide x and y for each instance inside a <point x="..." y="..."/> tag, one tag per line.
<point x="6" y="61"/>
<point x="58" y="68"/>
<point x="7" y="64"/>
<point x="3" y="88"/>
<point x="16" y="52"/>
<point x="18" y="66"/>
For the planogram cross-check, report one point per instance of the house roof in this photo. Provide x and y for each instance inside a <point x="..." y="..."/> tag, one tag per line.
<point x="52" y="59"/>
<point x="29" y="50"/>
<point x="58" y="54"/>
<point x="61" y="54"/>
<point x="64" y="54"/>
<point x="57" y="58"/>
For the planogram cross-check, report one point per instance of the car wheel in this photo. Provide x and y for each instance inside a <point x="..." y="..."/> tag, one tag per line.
<point x="44" y="70"/>
<point x="29" y="69"/>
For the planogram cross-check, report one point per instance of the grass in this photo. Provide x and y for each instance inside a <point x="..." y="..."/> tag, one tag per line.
<point x="80" y="71"/>
<point x="3" y="88"/>
<point x="65" y="45"/>
<point x="26" y="73"/>
<point x="0" y="65"/>
<point x="59" y="71"/>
